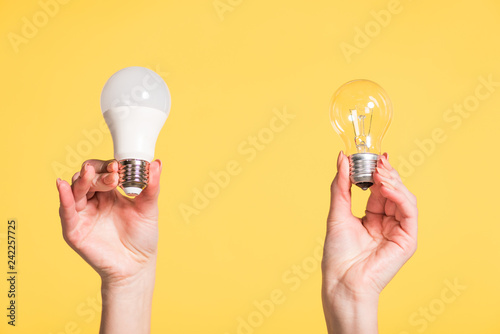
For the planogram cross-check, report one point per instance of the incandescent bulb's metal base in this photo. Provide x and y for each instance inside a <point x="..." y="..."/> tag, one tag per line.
<point x="361" y="169"/>
<point x="134" y="176"/>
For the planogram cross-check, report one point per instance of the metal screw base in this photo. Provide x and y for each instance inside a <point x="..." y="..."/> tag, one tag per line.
<point x="361" y="169"/>
<point x="134" y="176"/>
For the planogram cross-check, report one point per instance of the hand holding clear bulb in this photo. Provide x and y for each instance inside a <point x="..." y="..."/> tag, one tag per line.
<point x="361" y="255"/>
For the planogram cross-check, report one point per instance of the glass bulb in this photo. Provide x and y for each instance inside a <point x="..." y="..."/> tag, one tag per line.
<point x="361" y="113"/>
<point x="135" y="103"/>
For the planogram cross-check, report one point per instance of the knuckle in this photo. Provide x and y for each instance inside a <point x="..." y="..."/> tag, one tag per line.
<point x="414" y="247"/>
<point x="95" y="181"/>
<point x="69" y="238"/>
<point x="395" y="173"/>
<point x="86" y="162"/>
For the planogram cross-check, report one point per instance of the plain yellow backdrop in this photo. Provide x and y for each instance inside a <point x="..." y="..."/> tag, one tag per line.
<point x="231" y="66"/>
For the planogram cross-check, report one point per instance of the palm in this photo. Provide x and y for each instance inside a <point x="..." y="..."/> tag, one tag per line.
<point x="365" y="253"/>
<point x="365" y="246"/>
<point x="113" y="236"/>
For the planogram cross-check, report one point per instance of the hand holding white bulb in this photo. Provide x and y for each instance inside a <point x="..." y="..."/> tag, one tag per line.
<point x="116" y="236"/>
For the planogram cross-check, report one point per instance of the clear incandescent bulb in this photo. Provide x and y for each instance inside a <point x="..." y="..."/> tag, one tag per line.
<point x="135" y="103"/>
<point x="361" y="113"/>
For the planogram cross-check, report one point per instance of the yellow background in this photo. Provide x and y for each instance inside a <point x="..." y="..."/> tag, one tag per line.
<point x="226" y="77"/>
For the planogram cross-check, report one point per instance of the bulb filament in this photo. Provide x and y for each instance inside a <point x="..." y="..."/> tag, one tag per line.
<point x="361" y="138"/>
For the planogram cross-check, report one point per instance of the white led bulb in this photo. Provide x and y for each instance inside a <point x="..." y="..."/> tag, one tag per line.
<point x="135" y="103"/>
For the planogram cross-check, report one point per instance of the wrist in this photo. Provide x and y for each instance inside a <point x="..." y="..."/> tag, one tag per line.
<point x="143" y="275"/>
<point x="348" y="311"/>
<point x="127" y="302"/>
<point x="137" y="288"/>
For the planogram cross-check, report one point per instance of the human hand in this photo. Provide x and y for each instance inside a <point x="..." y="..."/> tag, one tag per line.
<point x="115" y="234"/>
<point x="361" y="255"/>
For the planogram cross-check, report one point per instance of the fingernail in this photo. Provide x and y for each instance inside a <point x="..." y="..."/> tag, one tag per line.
<point x="339" y="158"/>
<point x="387" y="185"/>
<point x="161" y="164"/>
<point x="58" y="181"/>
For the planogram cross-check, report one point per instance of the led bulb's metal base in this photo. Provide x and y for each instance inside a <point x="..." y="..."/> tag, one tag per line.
<point x="134" y="176"/>
<point x="361" y="169"/>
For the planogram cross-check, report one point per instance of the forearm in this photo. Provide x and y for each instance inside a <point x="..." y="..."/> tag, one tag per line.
<point x="126" y="305"/>
<point x="346" y="312"/>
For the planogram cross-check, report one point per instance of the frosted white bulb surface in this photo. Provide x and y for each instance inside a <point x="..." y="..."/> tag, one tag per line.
<point x="135" y="103"/>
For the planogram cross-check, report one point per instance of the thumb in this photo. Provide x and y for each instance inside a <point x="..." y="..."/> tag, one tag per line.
<point x="340" y="205"/>
<point x="150" y="194"/>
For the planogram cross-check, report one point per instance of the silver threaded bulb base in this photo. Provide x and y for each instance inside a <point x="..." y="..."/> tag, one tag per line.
<point x="134" y="176"/>
<point x="361" y="169"/>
